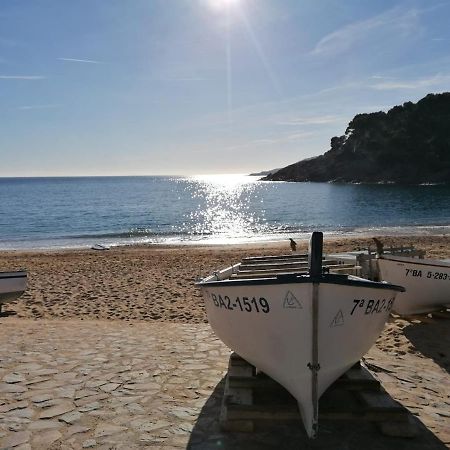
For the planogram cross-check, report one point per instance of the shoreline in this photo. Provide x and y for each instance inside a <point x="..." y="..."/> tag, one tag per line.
<point x="412" y="231"/>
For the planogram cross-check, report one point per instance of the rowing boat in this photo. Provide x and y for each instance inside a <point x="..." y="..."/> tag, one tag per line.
<point x="303" y="327"/>
<point x="12" y="286"/>
<point x="427" y="282"/>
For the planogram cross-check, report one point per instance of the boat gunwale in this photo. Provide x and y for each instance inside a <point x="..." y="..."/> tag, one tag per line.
<point x="299" y="279"/>
<point x="18" y="274"/>
<point x="417" y="261"/>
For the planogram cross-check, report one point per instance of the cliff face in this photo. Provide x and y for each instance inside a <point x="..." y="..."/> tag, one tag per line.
<point x="409" y="144"/>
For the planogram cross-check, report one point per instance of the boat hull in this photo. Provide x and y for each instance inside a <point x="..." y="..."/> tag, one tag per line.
<point x="271" y="326"/>
<point x="427" y="283"/>
<point x="12" y="285"/>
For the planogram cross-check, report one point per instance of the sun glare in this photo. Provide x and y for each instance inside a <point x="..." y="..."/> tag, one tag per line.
<point x="222" y="4"/>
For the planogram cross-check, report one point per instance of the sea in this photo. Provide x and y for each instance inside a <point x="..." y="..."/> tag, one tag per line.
<point x="79" y="212"/>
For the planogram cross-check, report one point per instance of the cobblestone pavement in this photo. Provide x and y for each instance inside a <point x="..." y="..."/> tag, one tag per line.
<point x="112" y="385"/>
<point x="86" y="384"/>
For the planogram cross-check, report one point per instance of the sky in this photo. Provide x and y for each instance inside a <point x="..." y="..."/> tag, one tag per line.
<point x="180" y="87"/>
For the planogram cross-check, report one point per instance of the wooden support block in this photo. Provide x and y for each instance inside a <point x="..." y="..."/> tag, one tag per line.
<point x="236" y="359"/>
<point x="264" y="412"/>
<point x="240" y="396"/>
<point x="239" y="426"/>
<point x="358" y="378"/>
<point x="241" y="371"/>
<point x="250" y="398"/>
<point x="258" y="382"/>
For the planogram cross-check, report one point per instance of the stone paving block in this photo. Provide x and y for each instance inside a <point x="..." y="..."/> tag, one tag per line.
<point x="70" y="417"/>
<point x="44" y="424"/>
<point x="106" y="429"/>
<point x="46" y="438"/>
<point x="89" y="443"/>
<point x="57" y="410"/>
<point x="14" y="378"/>
<point x="14" y="405"/>
<point x="15" y="439"/>
<point x="8" y="388"/>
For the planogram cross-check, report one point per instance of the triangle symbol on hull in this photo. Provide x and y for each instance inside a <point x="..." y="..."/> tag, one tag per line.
<point x="291" y="301"/>
<point x="338" y="319"/>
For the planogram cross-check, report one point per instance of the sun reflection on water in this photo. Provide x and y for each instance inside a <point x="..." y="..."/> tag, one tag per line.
<point x="226" y="206"/>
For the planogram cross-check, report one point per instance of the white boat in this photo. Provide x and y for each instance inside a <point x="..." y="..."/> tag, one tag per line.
<point x="12" y="286"/>
<point x="302" y="329"/>
<point x="427" y="282"/>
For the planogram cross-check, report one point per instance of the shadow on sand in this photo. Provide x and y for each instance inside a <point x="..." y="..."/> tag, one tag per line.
<point x="333" y="435"/>
<point x="432" y="339"/>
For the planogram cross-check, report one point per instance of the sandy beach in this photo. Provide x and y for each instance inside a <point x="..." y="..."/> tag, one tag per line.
<point x="81" y="305"/>
<point x="149" y="282"/>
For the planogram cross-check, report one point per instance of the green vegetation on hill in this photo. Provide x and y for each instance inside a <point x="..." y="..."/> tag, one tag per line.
<point x="409" y="144"/>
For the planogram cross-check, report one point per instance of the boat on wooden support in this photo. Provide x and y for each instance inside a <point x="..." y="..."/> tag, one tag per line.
<point x="427" y="282"/>
<point x="12" y="286"/>
<point x="301" y="326"/>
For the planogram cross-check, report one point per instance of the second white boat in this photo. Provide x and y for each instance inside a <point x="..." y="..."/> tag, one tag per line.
<point x="427" y="282"/>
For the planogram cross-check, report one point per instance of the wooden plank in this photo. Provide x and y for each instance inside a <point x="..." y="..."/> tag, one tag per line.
<point x="276" y="269"/>
<point x="238" y="426"/>
<point x="241" y="371"/>
<point x="357" y="396"/>
<point x="258" y="382"/>
<point x="273" y="268"/>
<point x="265" y="412"/>
<point x="284" y="265"/>
<point x="356" y="270"/>
<point x="237" y="359"/>
<point x="288" y="256"/>
<point x="263" y="275"/>
<point x="240" y="396"/>
<point x="357" y="379"/>
<point x="270" y="273"/>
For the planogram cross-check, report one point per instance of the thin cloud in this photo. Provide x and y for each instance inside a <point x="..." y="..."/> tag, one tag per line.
<point x="344" y="38"/>
<point x="412" y="84"/>
<point x="381" y="77"/>
<point x="86" y="61"/>
<point x="311" y="120"/>
<point x="21" y="77"/>
<point x="28" y="107"/>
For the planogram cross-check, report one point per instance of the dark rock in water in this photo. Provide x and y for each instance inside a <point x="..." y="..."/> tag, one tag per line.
<point x="410" y="144"/>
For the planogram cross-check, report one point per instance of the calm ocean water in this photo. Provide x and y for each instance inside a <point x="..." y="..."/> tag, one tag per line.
<point x="79" y="212"/>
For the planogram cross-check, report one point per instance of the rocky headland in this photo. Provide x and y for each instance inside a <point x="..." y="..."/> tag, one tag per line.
<point x="409" y="144"/>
